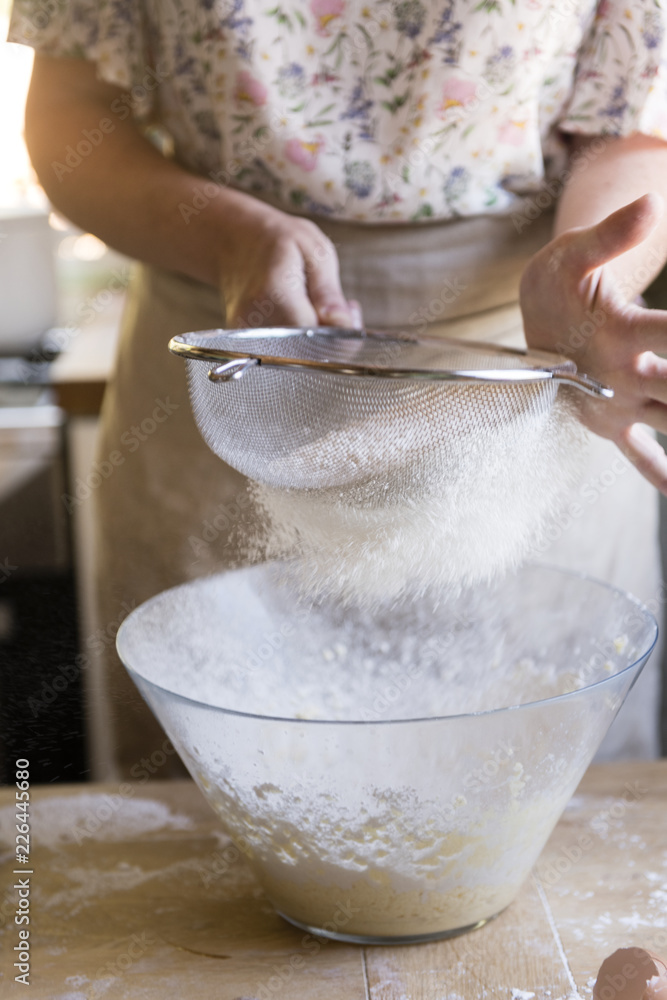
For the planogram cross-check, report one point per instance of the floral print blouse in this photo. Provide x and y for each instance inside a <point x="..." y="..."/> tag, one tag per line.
<point x="372" y="110"/>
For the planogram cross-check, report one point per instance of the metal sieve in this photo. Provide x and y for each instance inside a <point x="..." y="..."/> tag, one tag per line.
<point x="323" y="407"/>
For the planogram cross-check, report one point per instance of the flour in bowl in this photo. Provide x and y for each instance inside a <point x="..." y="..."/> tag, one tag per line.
<point x="362" y="762"/>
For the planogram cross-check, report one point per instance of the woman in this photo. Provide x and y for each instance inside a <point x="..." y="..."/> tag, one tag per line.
<point x="399" y="158"/>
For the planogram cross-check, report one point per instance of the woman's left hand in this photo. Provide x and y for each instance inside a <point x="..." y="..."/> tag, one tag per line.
<point x="576" y="302"/>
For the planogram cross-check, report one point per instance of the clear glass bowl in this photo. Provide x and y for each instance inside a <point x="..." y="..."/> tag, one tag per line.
<point x="391" y="779"/>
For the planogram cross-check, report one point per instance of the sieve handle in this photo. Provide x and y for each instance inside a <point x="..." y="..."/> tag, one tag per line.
<point x="587" y="384"/>
<point x="231" y="369"/>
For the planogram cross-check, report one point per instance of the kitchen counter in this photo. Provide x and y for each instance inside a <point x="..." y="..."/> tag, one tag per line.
<point x="136" y="893"/>
<point x="79" y="380"/>
<point x="80" y="374"/>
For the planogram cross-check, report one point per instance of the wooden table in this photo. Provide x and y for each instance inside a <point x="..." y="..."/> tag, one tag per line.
<point x="135" y="893"/>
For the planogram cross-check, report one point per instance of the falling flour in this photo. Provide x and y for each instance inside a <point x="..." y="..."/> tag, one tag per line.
<point x="268" y="655"/>
<point x="455" y="518"/>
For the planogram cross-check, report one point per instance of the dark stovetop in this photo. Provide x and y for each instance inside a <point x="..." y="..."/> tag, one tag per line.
<point x="39" y="641"/>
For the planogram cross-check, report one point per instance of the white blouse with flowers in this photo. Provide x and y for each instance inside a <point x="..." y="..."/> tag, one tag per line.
<point x="372" y="110"/>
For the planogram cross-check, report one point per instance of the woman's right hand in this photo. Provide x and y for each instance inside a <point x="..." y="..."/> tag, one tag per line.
<point x="279" y="270"/>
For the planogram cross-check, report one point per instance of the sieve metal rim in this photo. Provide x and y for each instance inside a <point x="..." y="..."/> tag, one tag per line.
<point x="231" y="365"/>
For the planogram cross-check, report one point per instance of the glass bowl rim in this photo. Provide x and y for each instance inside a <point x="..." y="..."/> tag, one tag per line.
<point x="575" y="574"/>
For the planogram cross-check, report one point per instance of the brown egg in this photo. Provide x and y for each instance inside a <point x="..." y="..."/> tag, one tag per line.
<point x="632" y="974"/>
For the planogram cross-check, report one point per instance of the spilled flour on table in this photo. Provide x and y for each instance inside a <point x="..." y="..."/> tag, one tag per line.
<point x="89" y="885"/>
<point x="641" y="917"/>
<point x="70" y="819"/>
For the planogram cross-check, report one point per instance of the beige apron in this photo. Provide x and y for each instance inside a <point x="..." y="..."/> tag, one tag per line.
<point x="172" y="511"/>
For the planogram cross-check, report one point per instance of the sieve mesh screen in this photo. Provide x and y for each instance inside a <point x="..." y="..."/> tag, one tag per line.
<point x="302" y="429"/>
